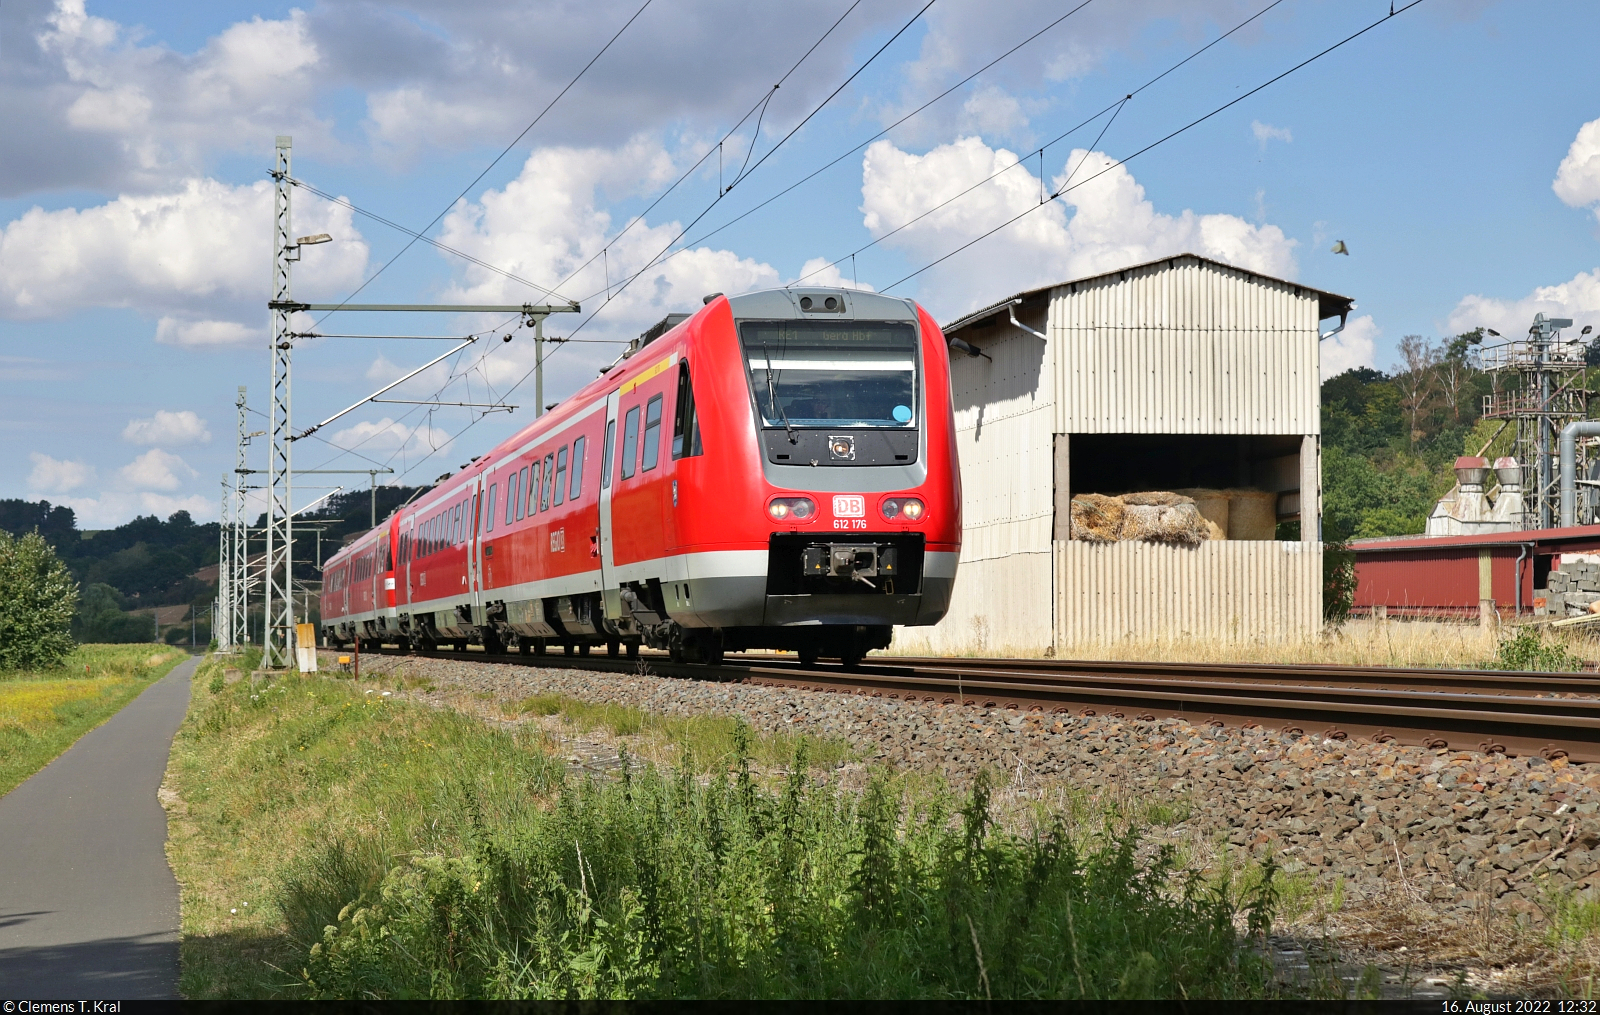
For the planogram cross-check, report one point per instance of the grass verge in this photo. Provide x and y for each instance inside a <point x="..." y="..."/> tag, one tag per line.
<point x="44" y="712"/>
<point x="333" y="843"/>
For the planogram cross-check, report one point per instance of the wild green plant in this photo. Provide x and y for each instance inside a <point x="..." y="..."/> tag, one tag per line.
<point x="426" y="855"/>
<point x="1527" y="650"/>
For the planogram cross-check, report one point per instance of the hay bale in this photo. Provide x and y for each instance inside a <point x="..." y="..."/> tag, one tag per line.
<point x="1213" y="507"/>
<point x="1097" y="518"/>
<point x="1160" y="498"/>
<point x="1176" y="524"/>
<point x="1252" y="514"/>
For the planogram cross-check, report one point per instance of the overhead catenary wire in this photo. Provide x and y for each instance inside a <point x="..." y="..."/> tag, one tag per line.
<point x="1066" y="187"/>
<point x="721" y="191"/>
<point x="344" y="203"/>
<point x="1114" y="108"/>
<point x="1158" y="142"/>
<point x="623" y="285"/>
<point x="503" y="153"/>
<point x="840" y="158"/>
<point x="760" y="104"/>
<point x="610" y="291"/>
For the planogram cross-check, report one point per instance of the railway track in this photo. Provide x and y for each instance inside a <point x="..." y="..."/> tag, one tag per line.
<point x="1548" y="714"/>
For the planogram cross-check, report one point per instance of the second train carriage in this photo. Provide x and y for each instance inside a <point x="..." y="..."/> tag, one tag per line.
<point x="776" y="471"/>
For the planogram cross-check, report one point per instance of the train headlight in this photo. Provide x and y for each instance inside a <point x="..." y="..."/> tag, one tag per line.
<point x="902" y="509"/>
<point x="797" y="509"/>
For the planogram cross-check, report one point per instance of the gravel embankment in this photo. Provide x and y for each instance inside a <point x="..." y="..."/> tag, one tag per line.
<point x="1428" y="844"/>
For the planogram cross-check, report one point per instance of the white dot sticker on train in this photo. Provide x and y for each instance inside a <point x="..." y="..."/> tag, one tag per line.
<point x="849" y="505"/>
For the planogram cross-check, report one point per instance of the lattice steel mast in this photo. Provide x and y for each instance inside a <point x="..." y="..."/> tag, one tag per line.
<point x="277" y="629"/>
<point x="239" y="605"/>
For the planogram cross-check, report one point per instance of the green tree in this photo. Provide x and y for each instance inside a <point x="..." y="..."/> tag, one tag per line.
<point x="37" y="600"/>
<point x="101" y="618"/>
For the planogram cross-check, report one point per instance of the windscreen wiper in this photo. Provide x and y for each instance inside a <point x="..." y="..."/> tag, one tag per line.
<point x="772" y="396"/>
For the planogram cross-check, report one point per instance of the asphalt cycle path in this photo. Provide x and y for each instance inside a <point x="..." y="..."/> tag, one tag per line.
<point x="88" y="905"/>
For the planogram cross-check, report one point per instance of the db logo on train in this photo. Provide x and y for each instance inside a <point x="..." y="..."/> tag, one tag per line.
<point x="846" y="508"/>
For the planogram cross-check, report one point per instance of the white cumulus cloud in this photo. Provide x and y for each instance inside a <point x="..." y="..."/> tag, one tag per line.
<point x="51" y="475"/>
<point x="1577" y="298"/>
<point x="1577" y="179"/>
<point x="186" y="254"/>
<point x="167" y="429"/>
<point x="1355" y="346"/>
<point x="1112" y="223"/>
<point x="156" y="470"/>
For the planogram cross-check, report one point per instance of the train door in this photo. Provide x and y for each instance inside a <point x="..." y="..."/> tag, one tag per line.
<point x="402" y="571"/>
<point x="610" y="590"/>
<point x="475" y="546"/>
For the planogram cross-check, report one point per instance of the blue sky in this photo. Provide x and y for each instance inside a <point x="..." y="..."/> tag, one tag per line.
<point x="1447" y="147"/>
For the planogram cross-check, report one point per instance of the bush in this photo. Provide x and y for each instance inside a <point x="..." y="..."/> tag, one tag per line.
<point x="1526" y="651"/>
<point x="37" y="599"/>
<point x="1338" y="580"/>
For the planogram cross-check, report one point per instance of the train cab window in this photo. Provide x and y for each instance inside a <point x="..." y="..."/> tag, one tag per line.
<point x="488" y="507"/>
<point x="561" y="477"/>
<point x="521" y="483"/>
<point x="605" y="454"/>
<point x="652" y="434"/>
<point x="630" y="441"/>
<point x="533" y="488"/>
<point x="577" y="467"/>
<point x="685" y="427"/>
<point x="544" y="491"/>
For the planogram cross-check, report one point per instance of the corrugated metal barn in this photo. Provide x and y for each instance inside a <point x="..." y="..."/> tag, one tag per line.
<point x="1178" y="374"/>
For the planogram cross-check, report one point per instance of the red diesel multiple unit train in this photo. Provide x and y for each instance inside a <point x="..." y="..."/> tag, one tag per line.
<point x="776" y="471"/>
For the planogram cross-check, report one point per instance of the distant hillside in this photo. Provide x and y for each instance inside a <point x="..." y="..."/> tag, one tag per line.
<point x="125" y="573"/>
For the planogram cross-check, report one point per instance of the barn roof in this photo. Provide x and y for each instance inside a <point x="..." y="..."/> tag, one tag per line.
<point x="1329" y="304"/>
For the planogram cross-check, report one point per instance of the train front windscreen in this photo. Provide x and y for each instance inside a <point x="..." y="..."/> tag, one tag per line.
<point x="820" y="374"/>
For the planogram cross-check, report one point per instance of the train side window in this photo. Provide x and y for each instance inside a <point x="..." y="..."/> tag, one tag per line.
<point x="511" y="497"/>
<point x="605" y="454"/>
<point x="561" y="476"/>
<point x="652" y="434"/>
<point x="522" y="484"/>
<point x="577" y="467"/>
<point x="630" y="441"/>
<point x="533" y="488"/>
<point x="488" y="507"/>
<point x="455" y="525"/>
<point x="544" y="491"/>
<point x="685" y="424"/>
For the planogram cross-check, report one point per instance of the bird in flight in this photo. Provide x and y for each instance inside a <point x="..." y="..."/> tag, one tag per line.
<point x="1340" y="248"/>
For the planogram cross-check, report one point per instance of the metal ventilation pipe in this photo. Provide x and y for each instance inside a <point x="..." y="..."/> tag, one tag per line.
<point x="1569" y="467"/>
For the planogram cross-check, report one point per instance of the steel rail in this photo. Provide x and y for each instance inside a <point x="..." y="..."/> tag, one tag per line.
<point x="1443" y="709"/>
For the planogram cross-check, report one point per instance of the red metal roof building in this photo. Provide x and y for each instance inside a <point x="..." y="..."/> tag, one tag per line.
<point x="1444" y="576"/>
